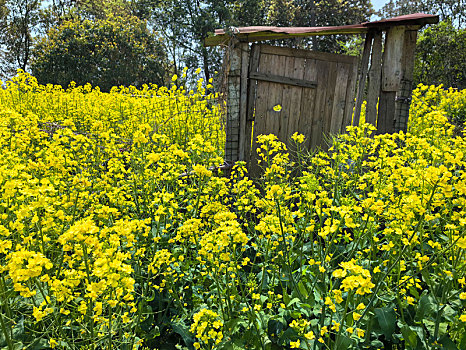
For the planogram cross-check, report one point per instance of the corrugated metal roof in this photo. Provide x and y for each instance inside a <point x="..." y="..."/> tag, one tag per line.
<point x="258" y="33"/>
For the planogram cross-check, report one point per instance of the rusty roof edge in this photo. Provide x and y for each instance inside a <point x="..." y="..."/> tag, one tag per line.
<point x="415" y="18"/>
<point x="258" y="33"/>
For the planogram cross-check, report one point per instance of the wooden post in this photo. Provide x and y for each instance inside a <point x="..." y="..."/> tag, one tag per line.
<point x="233" y="103"/>
<point x="362" y="77"/>
<point x="375" y="75"/>
<point x="392" y="73"/>
<point x="403" y="98"/>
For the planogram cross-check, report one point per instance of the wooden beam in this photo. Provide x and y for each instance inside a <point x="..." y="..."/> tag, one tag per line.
<point x="283" y="80"/>
<point x="223" y="39"/>
<point x="315" y="55"/>
<point x="375" y="76"/>
<point x="362" y="77"/>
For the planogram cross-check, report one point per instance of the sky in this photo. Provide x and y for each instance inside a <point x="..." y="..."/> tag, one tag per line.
<point x="378" y="4"/>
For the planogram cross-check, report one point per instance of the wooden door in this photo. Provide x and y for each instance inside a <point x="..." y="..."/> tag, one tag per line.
<point x="315" y="91"/>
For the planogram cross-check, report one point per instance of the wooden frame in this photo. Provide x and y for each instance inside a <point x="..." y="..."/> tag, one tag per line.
<point x="385" y="79"/>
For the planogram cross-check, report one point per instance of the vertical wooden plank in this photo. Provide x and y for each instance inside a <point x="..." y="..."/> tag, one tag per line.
<point x="392" y="59"/>
<point x="339" y="101"/>
<point x="252" y="90"/>
<point x="260" y="115"/>
<point x="306" y="114"/>
<point x="317" y="130"/>
<point x="243" y="108"/>
<point x="291" y="99"/>
<point x="409" y="51"/>
<point x="362" y="77"/>
<point x="233" y="104"/>
<point x="287" y="92"/>
<point x="386" y="112"/>
<point x="274" y="118"/>
<point x="261" y="101"/>
<point x="375" y="76"/>
<point x="403" y="98"/>
<point x="296" y="98"/>
<point x="267" y="120"/>
<point x="329" y="99"/>
<point x="350" y="95"/>
<point x="391" y="78"/>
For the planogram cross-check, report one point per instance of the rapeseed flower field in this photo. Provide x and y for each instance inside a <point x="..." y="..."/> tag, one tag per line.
<point x="118" y="232"/>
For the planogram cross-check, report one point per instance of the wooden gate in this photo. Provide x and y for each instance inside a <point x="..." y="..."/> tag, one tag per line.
<point x="303" y="91"/>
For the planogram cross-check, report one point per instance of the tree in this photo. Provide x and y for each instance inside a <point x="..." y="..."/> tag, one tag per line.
<point x="105" y="52"/>
<point x="441" y="56"/>
<point x="21" y="17"/>
<point x="448" y="10"/>
<point x="441" y="48"/>
<point x="304" y="13"/>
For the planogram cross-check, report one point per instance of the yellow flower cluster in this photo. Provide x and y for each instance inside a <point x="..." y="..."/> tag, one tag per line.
<point x="116" y="226"/>
<point x="207" y="327"/>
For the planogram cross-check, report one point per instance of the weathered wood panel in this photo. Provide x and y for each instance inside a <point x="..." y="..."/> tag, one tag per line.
<point x="296" y="98"/>
<point x="275" y="96"/>
<point x="312" y="112"/>
<point x="339" y="101"/>
<point x="262" y="91"/>
<point x="329" y="86"/>
<point x="283" y="80"/>
<point x="350" y="93"/>
<point x="316" y="136"/>
<point x="306" y="114"/>
<point x="385" y="120"/>
<point x="363" y="76"/>
<point x="375" y="76"/>
<point x="403" y="98"/>
<point x="321" y="56"/>
<point x="392" y="69"/>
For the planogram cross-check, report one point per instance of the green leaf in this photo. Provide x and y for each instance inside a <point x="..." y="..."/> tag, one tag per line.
<point x="377" y="344"/>
<point x="303" y="290"/>
<point x="183" y="331"/>
<point x="275" y="328"/>
<point x="234" y="325"/>
<point x="386" y="318"/>
<point x="41" y="344"/>
<point x="463" y="341"/>
<point x="426" y="307"/>
<point x="447" y="343"/>
<point x="430" y="325"/>
<point x="409" y="336"/>
<point x="18" y="330"/>
<point x="343" y="342"/>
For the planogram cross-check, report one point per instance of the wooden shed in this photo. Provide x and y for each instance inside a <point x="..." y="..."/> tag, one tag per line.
<point x="315" y="90"/>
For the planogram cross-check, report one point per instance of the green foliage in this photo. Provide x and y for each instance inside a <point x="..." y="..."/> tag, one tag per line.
<point x="19" y="18"/>
<point x="441" y="56"/>
<point x="449" y="10"/>
<point x="105" y="52"/>
<point x="298" y="13"/>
